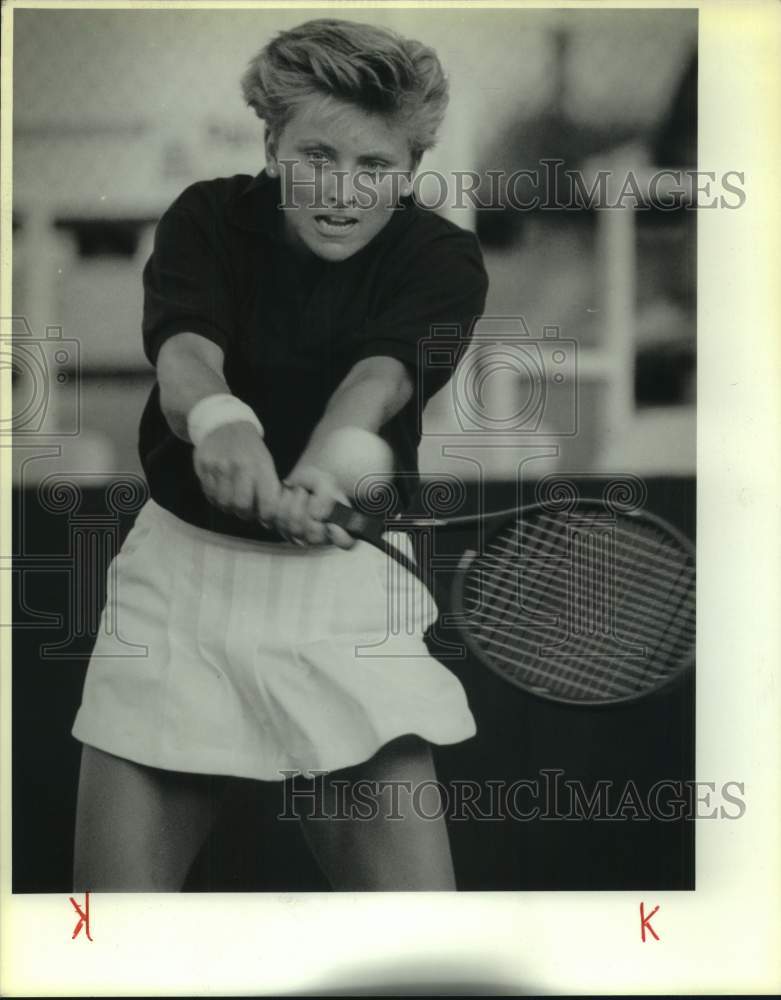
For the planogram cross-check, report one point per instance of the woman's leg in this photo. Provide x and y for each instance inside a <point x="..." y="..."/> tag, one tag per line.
<point x="408" y="852"/>
<point x="138" y="829"/>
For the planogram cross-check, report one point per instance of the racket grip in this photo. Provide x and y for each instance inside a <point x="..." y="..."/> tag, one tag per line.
<point x="353" y="521"/>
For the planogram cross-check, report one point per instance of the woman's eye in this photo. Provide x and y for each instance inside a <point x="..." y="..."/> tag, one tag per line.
<point x="317" y="157"/>
<point x="374" y="170"/>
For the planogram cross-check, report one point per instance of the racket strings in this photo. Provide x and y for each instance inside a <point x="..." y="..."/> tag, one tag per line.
<point x="542" y="547"/>
<point x="615" y="600"/>
<point x="631" y="608"/>
<point x="642" y="606"/>
<point x="575" y="669"/>
<point x="510" y="555"/>
<point x="665" y="614"/>
<point x="637" y="544"/>
<point x="593" y="642"/>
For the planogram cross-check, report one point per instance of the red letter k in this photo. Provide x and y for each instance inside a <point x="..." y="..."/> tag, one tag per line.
<point x="645" y="922"/>
<point x="83" y="916"/>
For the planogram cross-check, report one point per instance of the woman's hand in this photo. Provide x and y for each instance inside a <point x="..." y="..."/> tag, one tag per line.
<point x="237" y="472"/>
<point x="333" y="464"/>
<point x="305" y="503"/>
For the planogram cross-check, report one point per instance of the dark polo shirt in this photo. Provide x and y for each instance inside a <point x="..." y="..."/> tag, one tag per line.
<point x="293" y="326"/>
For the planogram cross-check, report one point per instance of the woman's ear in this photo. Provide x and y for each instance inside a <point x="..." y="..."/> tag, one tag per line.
<point x="406" y="183"/>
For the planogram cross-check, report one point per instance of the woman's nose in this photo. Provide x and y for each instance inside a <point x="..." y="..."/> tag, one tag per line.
<point x="340" y="189"/>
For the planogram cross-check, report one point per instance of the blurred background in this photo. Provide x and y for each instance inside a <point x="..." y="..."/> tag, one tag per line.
<point x="115" y="113"/>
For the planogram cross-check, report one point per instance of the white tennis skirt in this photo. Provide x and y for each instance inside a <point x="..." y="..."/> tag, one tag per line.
<point x="218" y="655"/>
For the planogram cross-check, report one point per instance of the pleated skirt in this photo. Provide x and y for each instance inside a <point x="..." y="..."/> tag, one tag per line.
<point x="217" y="655"/>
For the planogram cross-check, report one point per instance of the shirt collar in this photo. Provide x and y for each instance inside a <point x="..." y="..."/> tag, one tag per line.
<point x="255" y="208"/>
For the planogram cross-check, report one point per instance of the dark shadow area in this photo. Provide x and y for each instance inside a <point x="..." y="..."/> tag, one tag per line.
<point x="519" y="737"/>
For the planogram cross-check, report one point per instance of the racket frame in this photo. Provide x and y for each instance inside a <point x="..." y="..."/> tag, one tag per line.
<point x="372" y="528"/>
<point x="458" y="608"/>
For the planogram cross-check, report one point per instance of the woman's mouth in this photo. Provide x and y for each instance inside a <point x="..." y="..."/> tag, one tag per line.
<point x="335" y="225"/>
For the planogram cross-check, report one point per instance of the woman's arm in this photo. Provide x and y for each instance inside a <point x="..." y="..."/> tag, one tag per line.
<point x="373" y="392"/>
<point x="189" y="368"/>
<point x="232" y="462"/>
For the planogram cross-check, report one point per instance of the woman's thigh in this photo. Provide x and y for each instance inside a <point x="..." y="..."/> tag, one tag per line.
<point x="378" y="826"/>
<point x="138" y="829"/>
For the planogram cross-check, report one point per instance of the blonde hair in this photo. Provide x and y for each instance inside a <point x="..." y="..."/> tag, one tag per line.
<point x="372" y="68"/>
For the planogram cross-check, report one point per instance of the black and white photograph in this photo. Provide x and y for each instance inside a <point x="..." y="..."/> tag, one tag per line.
<point x="368" y="410"/>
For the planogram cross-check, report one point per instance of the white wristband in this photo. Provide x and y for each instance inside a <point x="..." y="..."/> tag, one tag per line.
<point x="213" y="411"/>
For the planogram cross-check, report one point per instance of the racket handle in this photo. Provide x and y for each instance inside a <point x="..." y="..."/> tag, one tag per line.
<point x="354" y="522"/>
<point x="371" y="529"/>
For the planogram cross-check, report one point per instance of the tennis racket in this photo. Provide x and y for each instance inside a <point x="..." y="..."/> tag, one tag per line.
<point x="577" y="603"/>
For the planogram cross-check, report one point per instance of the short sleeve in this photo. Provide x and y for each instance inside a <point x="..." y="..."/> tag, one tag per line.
<point x="429" y="310"/>
<point x="187" y="286"/>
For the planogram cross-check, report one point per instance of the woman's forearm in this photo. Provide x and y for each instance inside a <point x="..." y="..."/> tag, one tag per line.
<point x="368" y="403"/>
<point x="187" y="371"/>
<point x="368" y="398"/>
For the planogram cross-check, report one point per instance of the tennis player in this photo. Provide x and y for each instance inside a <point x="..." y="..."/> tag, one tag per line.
<point x="283" y="314"/>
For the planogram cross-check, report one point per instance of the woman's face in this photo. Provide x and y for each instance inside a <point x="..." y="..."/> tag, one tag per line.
<point x="343" y="171"/>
